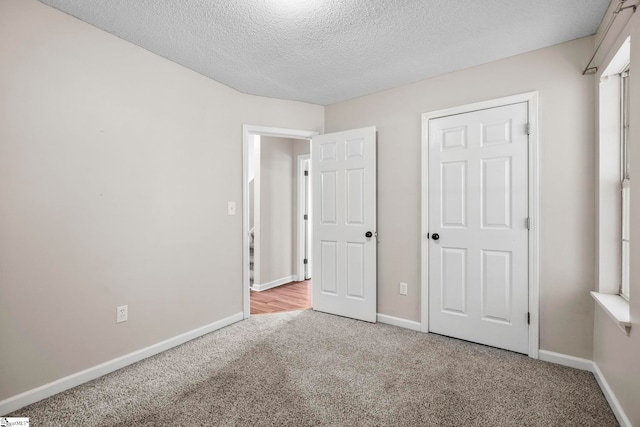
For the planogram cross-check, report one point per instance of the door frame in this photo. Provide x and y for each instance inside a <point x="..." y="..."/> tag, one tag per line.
<point x="303" y="195"/>
<point x="532" y="104"/>
<point x="248" y="131"/>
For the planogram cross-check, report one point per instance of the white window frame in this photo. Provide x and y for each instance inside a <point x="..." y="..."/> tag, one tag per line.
<point x="613" y="191"/>
<point x="625" y="183"/>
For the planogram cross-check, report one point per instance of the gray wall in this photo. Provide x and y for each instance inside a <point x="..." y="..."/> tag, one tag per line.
<point x="276" y="209"/>
<point x="116" y="166"/>
<point x="566" y="115"/>
<point x="618" y="355"/>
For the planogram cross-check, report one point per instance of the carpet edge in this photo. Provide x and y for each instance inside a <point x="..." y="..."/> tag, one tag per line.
<point x="28" y="397"/>
<point x="615" y="405"/>
<point x="591" y="366"/>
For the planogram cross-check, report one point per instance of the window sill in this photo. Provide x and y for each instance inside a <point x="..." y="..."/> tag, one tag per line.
<point x="616" y="307"/>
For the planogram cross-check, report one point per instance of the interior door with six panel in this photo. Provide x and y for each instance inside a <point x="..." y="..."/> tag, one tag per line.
<point x="478" y="210"/>
<point x="343" y="180"/>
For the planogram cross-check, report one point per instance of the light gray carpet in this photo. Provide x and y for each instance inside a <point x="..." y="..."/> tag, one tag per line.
<point x="307" y="368"/>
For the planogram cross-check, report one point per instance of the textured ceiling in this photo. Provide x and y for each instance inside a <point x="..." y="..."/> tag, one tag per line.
<point x="325" y="51"/>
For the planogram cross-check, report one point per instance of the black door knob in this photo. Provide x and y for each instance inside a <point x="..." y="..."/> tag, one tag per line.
<point x="435" y="236"/>
<point x="368" y="234"/>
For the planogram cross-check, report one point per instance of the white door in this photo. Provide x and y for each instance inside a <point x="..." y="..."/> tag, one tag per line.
<point x="478" y="221"/>
<point x="343" y="180"/>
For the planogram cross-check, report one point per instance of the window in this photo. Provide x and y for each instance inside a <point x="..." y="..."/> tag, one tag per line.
<point x="614" y="187"/>
<point x="625" y="180"/>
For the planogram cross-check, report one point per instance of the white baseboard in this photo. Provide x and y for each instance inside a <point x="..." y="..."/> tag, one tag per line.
<point x="611" y="398"/>
<point x="566" y="360"/>
<point x="397" y="321"/>
<point x="31" y="396"/>
<point x="273" y="284"/>
<point x="588" y="365"/>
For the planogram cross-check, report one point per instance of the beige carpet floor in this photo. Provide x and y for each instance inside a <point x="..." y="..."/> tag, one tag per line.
<point x="311" y="369"/>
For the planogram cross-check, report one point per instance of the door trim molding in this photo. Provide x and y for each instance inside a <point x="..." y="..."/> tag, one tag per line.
<point x="301" y="199"/>
<point x="531" y="98"/>
<point x="248" y="131"/>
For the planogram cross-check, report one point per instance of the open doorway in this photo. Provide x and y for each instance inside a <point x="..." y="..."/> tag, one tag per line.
<point x="276" y="214"/>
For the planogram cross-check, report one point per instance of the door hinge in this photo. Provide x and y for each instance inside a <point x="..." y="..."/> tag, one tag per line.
<point x="528" y="318"/>
<point x="528" y="128"/>
<point x="306" y="217"/>
<point x="528" y="223"/>
<point x="306" y="173"/>
<point x="304" y="261"/>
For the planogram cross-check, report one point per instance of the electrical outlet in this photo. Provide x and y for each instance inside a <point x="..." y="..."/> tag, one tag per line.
<point x="122" y="313"/>
<point x="403" y="288"/>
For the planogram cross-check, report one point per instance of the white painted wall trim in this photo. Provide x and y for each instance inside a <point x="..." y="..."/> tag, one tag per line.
<point x="397" y="321"/>
<point x="566" y="360"/>
<point x="300" y="221"/>
<point x="617" y="308"/>
<point x="621" y="416"/>
<point x="31" y="396"/>
<point x="534" y="202"/>
<point x="588" y="365"/>
<point x="247" y="134"/>
<point x="273" y="283"/>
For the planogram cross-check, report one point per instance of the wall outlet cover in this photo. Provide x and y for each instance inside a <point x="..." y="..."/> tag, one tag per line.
<point x="403" y="288"/>
<point x="122" y="313"/>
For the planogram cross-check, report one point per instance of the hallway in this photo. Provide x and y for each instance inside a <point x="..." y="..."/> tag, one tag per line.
<point x="292" y="296"/>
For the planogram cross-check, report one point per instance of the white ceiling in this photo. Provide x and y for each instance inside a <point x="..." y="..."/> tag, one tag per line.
<point x="325" y="51"/>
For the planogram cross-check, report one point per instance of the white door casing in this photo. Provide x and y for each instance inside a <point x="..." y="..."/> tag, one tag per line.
<point x="478" y="206"/>
<point x="343" y="180"/>
<point x="307" y="224"/>
<point x="303" y="226"/>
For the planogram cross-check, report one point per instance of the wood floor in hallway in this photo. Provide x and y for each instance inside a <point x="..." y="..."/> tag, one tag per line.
<point x="292" y="296"/>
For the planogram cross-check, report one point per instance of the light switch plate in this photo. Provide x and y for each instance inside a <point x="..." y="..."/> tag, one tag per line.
<point x="231" y="208"/>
